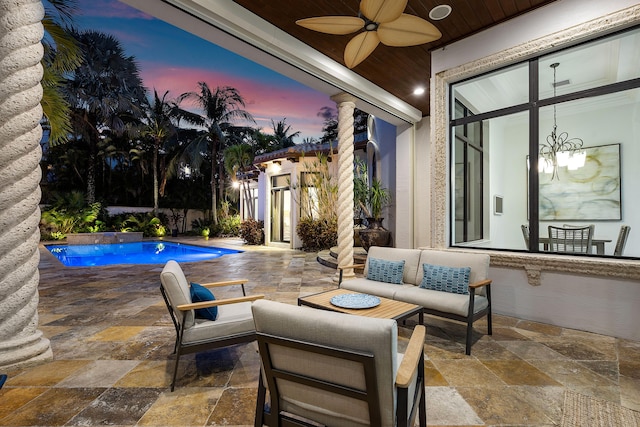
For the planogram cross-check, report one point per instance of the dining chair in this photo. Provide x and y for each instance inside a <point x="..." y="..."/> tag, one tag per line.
<point x="593" y="226"/>
<point x="525" y="234"/>
<point x="622" y="240"/>
<point x="571" y="240"/>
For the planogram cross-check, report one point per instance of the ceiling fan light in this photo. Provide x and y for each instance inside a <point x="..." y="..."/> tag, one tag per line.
<point x="371" y="26"/>
<point x="440" y="12"/>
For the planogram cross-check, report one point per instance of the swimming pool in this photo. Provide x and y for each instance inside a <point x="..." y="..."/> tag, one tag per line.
<point x="151" y="252"/>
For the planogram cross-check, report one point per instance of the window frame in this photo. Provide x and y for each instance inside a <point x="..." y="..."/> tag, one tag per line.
<point x="532" y="107"/>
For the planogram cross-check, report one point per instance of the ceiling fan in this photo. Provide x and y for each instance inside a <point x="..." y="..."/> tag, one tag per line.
<point x="383" y="21"/>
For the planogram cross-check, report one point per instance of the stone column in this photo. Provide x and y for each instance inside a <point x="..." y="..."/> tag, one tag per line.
<point x="346" y="105"/>
<point x="21" y="343"/>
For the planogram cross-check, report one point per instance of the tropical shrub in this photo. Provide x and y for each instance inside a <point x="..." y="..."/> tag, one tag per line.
<point x="228" y="226"/>
<point x="317" y="234"/>
<point x="228" y="223"/>
<point x="150" y="225"/>
<point x="198" y="225"/>
<point x="69" y="214"/>
<point x="252" y="231"/>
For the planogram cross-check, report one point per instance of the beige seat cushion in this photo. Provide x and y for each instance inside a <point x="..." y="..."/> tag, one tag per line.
<point x="366" y="286"/>
<point x="446" y="302"/>
<point x="479" y="264"/>
<point x="411" y="259"/>
<point x="232" y="319"/>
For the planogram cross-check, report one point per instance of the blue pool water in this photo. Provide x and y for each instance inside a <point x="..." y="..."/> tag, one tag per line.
<point x="133" y="253"/>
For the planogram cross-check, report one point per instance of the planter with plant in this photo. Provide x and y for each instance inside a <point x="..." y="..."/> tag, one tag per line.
<point x="377" y="199"/>
<point x="176" y="217"/>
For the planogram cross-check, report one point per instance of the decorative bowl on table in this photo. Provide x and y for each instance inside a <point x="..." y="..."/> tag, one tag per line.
<point x="355" y="301"/>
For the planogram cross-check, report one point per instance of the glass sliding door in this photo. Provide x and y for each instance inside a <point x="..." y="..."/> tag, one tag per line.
<point x="280" y="209"/>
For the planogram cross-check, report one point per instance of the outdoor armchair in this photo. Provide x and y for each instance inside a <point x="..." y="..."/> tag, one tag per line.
<point x="233" y="324"/>
<point x="335" y="369"/>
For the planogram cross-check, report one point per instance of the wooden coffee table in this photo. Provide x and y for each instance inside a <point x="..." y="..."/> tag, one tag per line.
<point x="387" y="309"/>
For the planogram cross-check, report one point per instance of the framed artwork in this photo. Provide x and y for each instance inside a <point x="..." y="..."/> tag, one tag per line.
<point x="591" y="192"/>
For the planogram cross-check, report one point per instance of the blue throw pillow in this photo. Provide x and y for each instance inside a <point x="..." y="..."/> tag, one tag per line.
<point x="447" y="279"/>
<point x="200" y="294"/>
<point x="382" y="270"/>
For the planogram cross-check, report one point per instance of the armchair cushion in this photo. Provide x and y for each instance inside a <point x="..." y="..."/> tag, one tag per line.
<point x="447" y="279"/>
<point x="200" y="294"/>
<point x="387" y="271"/>
<point x="232" y="319"/>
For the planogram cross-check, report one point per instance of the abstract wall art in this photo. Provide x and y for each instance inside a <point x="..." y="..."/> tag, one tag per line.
<point x="591" y="192"/>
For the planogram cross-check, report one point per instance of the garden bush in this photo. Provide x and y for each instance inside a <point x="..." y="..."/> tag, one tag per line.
<point x="228" y="226"/>
<point x="317" y="234"/>
<point x="198" y="225"/>
<point x="252" y="232"/>
<point x="69" y="215"/>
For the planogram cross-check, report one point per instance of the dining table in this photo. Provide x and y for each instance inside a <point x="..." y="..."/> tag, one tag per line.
<point x="598" y="243"/>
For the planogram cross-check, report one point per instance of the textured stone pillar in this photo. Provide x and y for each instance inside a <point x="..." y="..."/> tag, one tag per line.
<point x="346" y="105"/>
<point x="20" y="94"/>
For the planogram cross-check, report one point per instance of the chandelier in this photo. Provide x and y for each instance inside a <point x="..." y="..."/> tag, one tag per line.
<point x="559" y="150"/>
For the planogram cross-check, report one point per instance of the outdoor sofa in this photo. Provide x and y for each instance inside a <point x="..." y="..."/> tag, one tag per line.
<point x="449" y="284"/>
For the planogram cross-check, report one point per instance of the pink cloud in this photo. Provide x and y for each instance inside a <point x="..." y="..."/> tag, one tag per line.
<point x="264" y="102"/>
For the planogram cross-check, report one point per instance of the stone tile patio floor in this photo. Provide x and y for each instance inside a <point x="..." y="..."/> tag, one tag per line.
<point x="112" y="340"/>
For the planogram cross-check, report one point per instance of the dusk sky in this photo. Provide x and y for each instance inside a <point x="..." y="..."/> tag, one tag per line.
<point x="171" y="59"/>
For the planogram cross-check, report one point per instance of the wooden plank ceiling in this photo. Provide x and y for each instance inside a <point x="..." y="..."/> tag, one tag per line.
<point x="396" y="69"/>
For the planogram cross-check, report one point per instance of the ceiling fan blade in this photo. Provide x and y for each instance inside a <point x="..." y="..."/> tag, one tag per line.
<point x="360" y="47"/>
<point x="382" y="10"/>
<point x="408" y="30"/>
<point x="333" y="24"/>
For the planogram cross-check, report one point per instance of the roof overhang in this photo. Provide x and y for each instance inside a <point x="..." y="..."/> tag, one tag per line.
<point x="232" y="27"/>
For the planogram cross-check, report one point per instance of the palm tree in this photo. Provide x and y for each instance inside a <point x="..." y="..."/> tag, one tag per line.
<point x="281" y="133"/>
<point x="105" y="92"/>
<point x="159" y="128"/>
<point x="61" y="55"/>
<point x="138" y="156"/>
<point x="329" y="125"/>
<point x="222" y="107"/>
<point x="261" y="142"/>
<point x="238" y="158"/>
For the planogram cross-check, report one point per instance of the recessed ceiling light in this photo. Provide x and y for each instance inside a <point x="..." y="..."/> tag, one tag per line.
<point x="418" y="91"/>
<point x="440" y="12"/>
